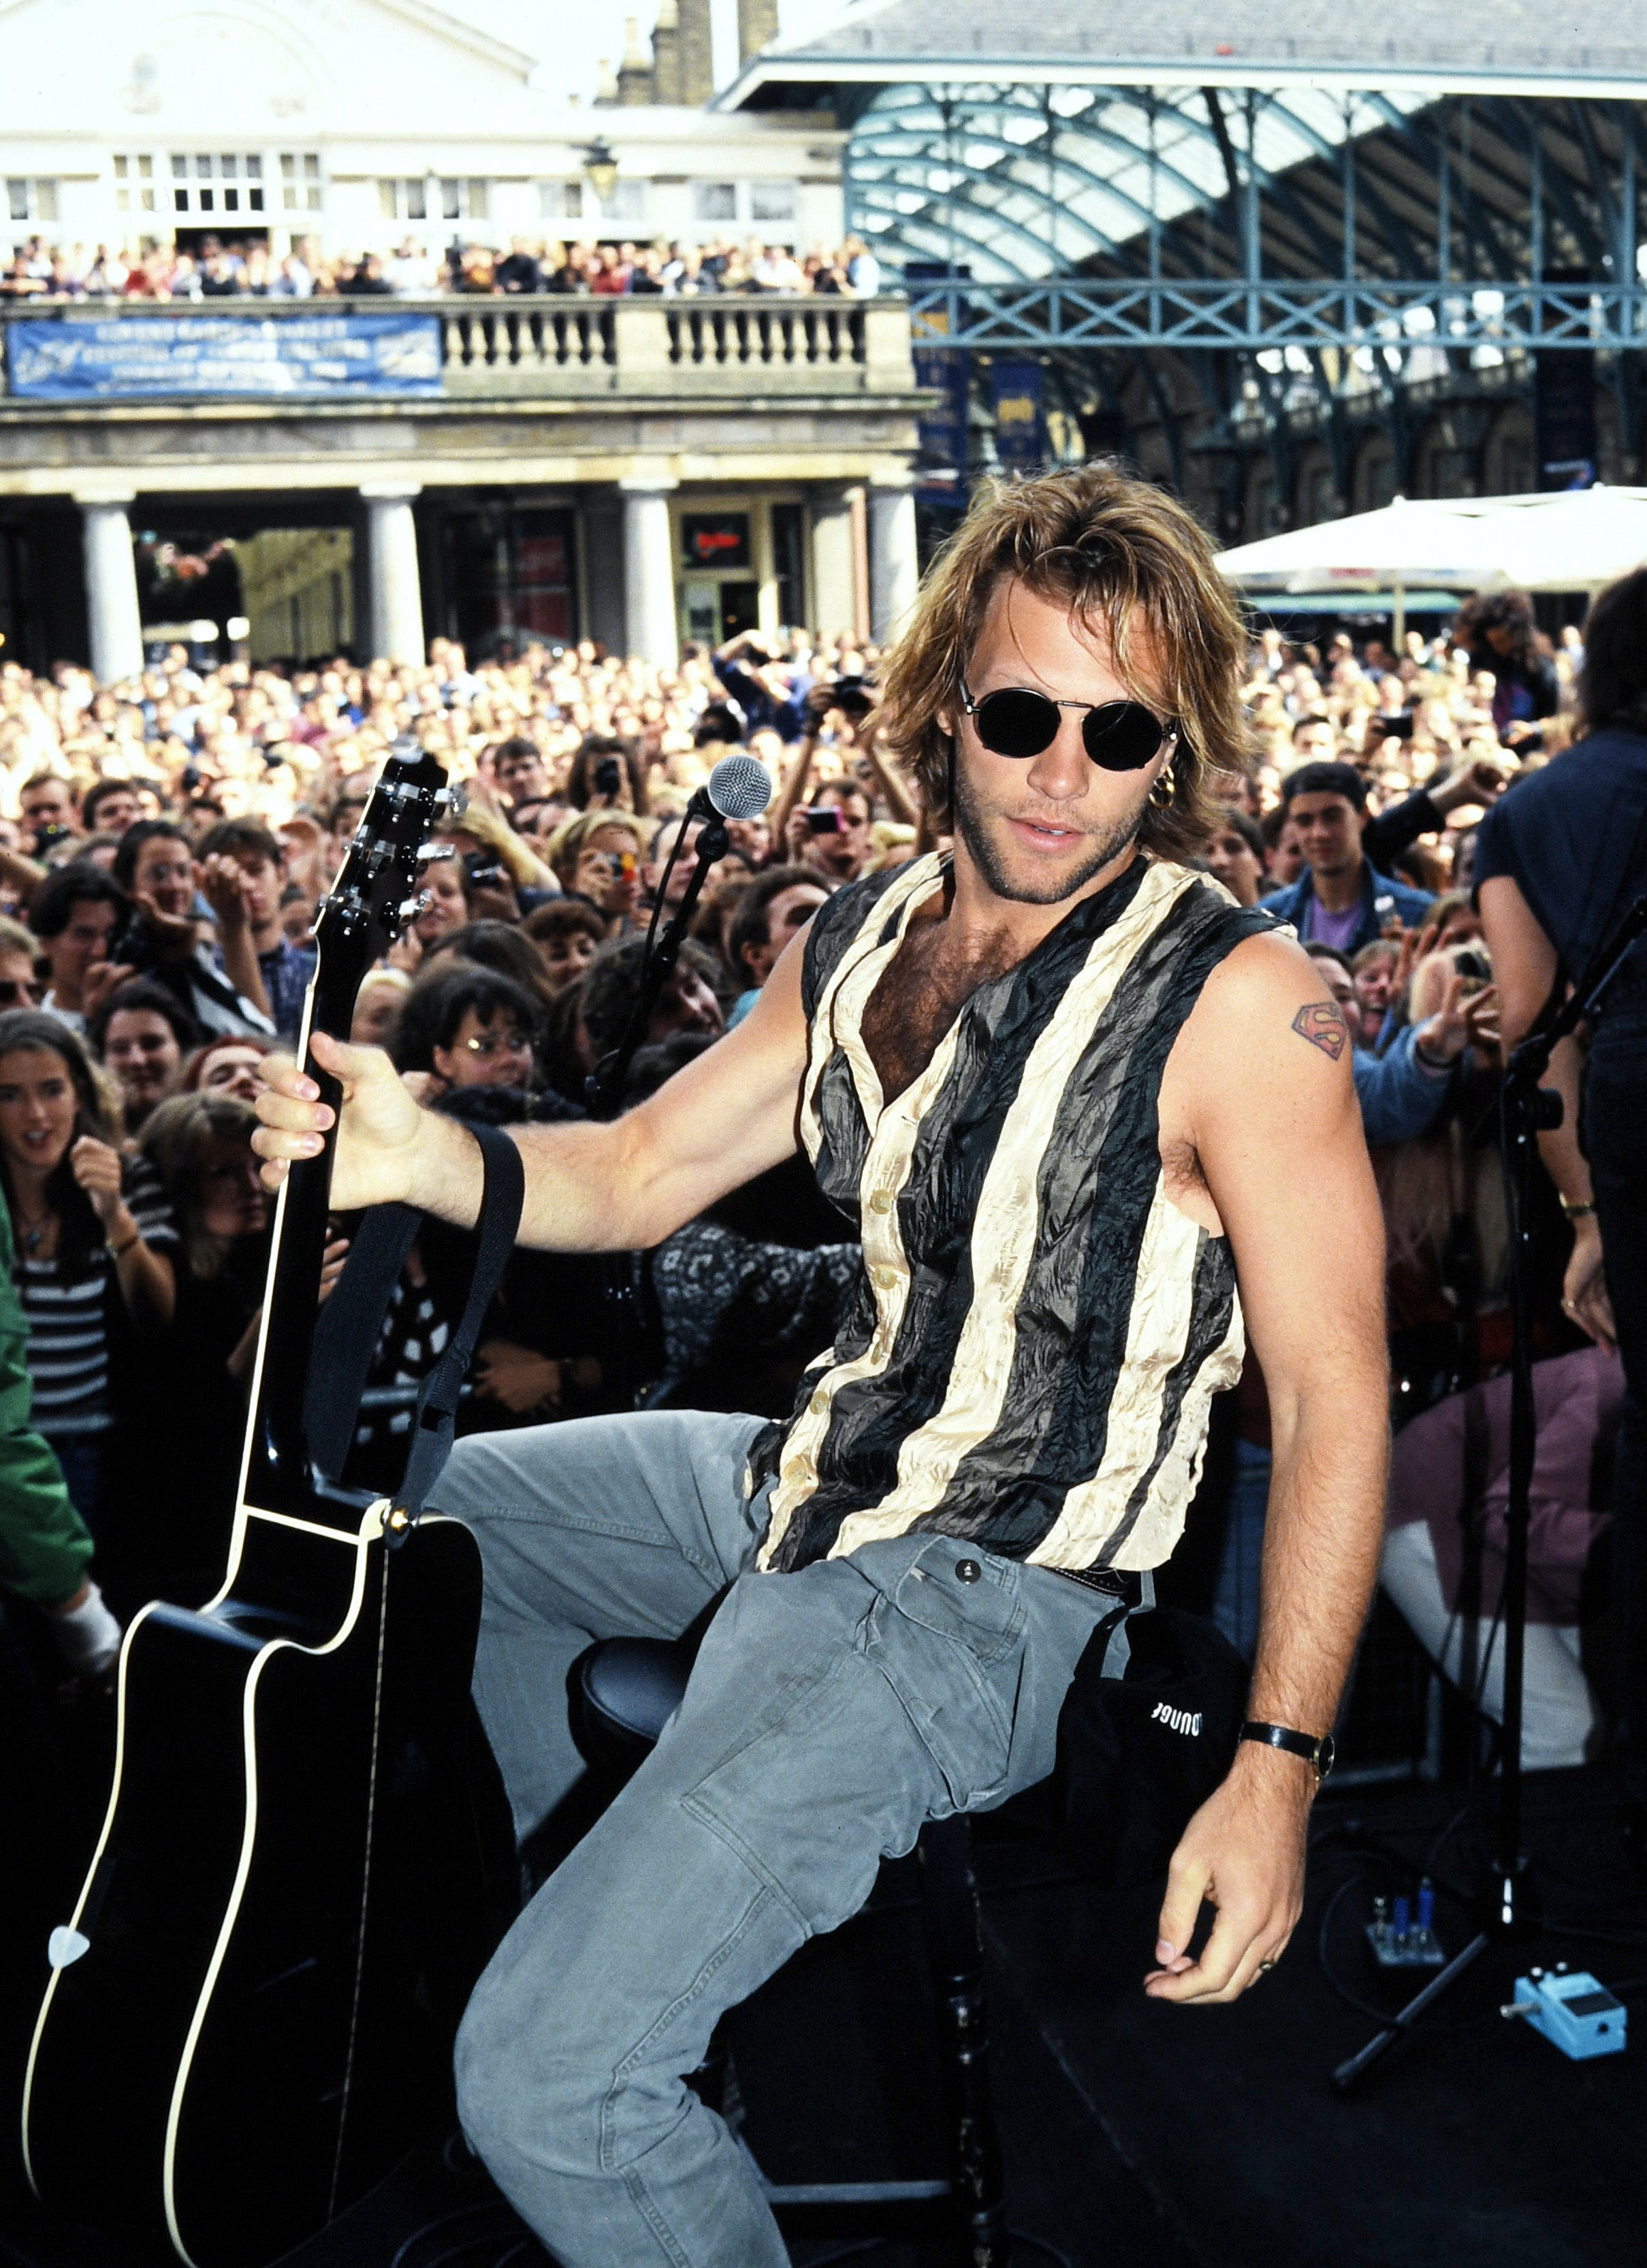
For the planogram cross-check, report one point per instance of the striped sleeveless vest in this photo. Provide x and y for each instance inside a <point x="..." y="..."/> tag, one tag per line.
<point x="1037" y="1331"/>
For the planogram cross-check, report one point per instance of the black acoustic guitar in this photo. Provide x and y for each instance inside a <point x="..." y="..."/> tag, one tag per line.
<point x="249" y="2012"/>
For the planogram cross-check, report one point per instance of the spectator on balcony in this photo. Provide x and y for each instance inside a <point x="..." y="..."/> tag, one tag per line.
<point x="294" y="280"/>
<point x="411" y="271"/>
<point x="519" y="270"/>
<point x="863" y="269"/>
<point x="366" y="280"/>
<point x="775" y="268"/>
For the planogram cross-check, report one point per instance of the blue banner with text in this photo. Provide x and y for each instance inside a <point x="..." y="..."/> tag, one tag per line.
<point x="143" y="357"/>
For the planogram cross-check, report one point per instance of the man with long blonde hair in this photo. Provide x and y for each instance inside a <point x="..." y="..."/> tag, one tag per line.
<point x="1073" y="1093"/>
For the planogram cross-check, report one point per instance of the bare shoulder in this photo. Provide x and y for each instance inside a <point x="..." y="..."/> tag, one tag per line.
<point x="1267" y="1006"/>
<point x="1261" y="1072"/>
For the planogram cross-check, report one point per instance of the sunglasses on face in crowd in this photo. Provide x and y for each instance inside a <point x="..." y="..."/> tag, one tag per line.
<point x="1119" y="736"/>
<point x="15" y="992"/>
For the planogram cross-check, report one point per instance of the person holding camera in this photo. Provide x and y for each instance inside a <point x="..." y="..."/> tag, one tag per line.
<point x="1559" y="862"/>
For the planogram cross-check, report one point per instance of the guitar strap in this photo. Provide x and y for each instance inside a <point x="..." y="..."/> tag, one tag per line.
<point x="346" y="1335"/>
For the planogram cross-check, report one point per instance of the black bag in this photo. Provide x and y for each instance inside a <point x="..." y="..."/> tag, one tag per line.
<point x="1148" y="1730"/>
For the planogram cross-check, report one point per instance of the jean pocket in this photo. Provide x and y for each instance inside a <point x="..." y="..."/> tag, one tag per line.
<point x="948" y="1635"/>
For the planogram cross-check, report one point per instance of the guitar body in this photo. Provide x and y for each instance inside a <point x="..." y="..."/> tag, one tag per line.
<point x="286" y="1908"/>
<point x="250" y="2014"/>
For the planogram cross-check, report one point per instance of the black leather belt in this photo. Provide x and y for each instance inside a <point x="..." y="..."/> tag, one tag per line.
<point x="1125" y="1584"/>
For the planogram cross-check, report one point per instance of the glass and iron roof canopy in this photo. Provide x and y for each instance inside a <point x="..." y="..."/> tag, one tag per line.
<point x="1212" y="139"/>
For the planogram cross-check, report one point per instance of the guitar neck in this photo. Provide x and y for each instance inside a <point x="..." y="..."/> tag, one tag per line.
<point x="357" y="921"/>
<point x="279" y="1475"/>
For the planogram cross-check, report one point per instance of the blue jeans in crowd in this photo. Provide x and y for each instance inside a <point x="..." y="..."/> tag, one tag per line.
<point x="830" y="1712"/>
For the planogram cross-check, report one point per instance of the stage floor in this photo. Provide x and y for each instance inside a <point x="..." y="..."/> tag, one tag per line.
<point x="1142" y="2136"/>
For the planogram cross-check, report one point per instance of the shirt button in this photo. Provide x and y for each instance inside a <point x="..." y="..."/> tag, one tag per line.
<point x="967" y="1571"/>
<point x="886" y="1277"/>
<point x="882" y="1201"/>
<point x="818" y="1404"/>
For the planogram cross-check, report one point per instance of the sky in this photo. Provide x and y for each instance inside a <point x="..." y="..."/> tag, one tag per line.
<point x="571" y="36"/>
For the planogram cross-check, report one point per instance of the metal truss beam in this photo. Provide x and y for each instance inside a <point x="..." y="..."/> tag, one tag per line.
<point x="1249" y="316"/>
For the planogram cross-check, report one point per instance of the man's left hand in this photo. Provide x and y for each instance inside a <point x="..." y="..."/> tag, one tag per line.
<point x="1243" y="1853"/>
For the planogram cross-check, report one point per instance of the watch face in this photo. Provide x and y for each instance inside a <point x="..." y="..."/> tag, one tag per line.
<point x="1325" y="1756"/>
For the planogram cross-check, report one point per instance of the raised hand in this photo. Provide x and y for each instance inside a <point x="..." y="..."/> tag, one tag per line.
<point x="100" y="979"/>
<point x="224" y="887"/>
<point x="173" y="933"/>
<point x="96" y="1167"/>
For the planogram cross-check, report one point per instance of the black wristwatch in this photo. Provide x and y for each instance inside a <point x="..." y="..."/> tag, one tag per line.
<point x="1319" y="1753"/>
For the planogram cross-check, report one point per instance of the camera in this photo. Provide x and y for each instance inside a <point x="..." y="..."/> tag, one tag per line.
<point x="828" y="821"/>
<point x="853" y="697"/>
<point x="1473" y="965"/>
<point x="608" y="775"/>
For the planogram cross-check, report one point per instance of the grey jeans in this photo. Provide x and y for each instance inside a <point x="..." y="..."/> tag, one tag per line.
<point x="830" y="1712"/>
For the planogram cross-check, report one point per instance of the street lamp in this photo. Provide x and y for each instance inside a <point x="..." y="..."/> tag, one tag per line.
<point x="601" y="167"/>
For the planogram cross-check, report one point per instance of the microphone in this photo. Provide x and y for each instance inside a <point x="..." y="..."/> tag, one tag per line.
<point x="739" y="787"/>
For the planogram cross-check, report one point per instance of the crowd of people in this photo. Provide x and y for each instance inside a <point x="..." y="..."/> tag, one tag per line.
<point x="164" y="844"/>
<point x="233" y="269"/>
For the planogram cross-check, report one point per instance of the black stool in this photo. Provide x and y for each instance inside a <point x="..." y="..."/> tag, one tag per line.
<point x="623" y="1691"/>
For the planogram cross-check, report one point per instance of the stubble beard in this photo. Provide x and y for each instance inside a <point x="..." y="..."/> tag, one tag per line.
<point x="1099" y="851"/>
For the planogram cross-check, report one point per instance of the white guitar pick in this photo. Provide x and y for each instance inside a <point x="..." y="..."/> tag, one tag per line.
<point x="65" y="1945"/>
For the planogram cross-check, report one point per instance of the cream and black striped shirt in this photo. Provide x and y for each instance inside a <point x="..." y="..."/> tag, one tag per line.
<point x="1038" y="1329"/>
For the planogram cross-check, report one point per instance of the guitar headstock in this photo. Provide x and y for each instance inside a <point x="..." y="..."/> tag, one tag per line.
<point x="375" y="894"/>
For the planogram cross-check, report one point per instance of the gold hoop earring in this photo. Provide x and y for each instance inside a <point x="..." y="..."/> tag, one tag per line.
<point x="1165" y="789"/>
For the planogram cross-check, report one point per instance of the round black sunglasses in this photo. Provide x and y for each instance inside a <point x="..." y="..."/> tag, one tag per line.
<point x="1122" y="736"/>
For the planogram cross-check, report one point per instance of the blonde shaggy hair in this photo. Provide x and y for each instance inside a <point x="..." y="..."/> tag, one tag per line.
<point x="1121" y="555"/>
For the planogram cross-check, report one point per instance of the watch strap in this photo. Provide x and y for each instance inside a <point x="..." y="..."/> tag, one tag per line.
<point x="1315" y="1748"/>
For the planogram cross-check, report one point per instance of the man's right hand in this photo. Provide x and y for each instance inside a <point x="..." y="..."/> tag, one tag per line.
<point x="380" y="1134"/>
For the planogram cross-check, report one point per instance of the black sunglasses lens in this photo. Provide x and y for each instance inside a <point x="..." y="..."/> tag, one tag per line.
<point x="1016" y="723"/>
<point x="1122" y="736"/>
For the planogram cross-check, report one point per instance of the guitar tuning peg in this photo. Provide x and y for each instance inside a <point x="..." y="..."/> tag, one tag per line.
<point x="428" y="850"/>
<point x="410" y="907"/>
<point x="455" y="799"/>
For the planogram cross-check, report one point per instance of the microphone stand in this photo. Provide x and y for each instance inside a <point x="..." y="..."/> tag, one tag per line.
<point x="1508" y="1911"/>
<point x="606" y="1081"/>
<point x="625" y="1284"/>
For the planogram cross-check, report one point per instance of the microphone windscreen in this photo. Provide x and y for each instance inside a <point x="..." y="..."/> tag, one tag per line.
<point x="739" y="787"/>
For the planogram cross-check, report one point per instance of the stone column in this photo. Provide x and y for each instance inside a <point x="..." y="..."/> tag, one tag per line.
<point x="834" y="597"/>
<point x="602" y="515"/>
<point x="111" y="588"/>
<point x="894" y="569"/>
<point x="649" y="568"/>
<point x="395" y="594"/>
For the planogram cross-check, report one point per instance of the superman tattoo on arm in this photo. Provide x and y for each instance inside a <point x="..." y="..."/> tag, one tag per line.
<point x="1322" y="1023"/>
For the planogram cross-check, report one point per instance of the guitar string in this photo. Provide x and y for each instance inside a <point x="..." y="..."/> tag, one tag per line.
<point x="366" y="1883"/>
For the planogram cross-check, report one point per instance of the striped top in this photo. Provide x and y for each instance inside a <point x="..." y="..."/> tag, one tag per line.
<point x="68" y="1317"/>
<point x="1037" y="1331"/>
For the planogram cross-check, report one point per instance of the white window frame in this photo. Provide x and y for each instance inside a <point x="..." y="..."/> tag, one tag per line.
<point x="220" y="187"/>
<point x="704" y="194"/>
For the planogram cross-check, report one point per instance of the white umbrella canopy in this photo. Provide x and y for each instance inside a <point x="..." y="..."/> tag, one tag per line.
<point x="1573" y="540"/>
<point x="1431" y="545"/>
<point x="1565" y="540"/>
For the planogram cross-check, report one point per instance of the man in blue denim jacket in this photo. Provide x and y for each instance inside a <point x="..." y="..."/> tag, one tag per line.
<point x="1340" y="899"/>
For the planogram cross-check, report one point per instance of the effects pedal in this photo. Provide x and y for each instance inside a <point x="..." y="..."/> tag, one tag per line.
<point x="1572" y="2008"/>
<point x="1402" y="1938"/>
